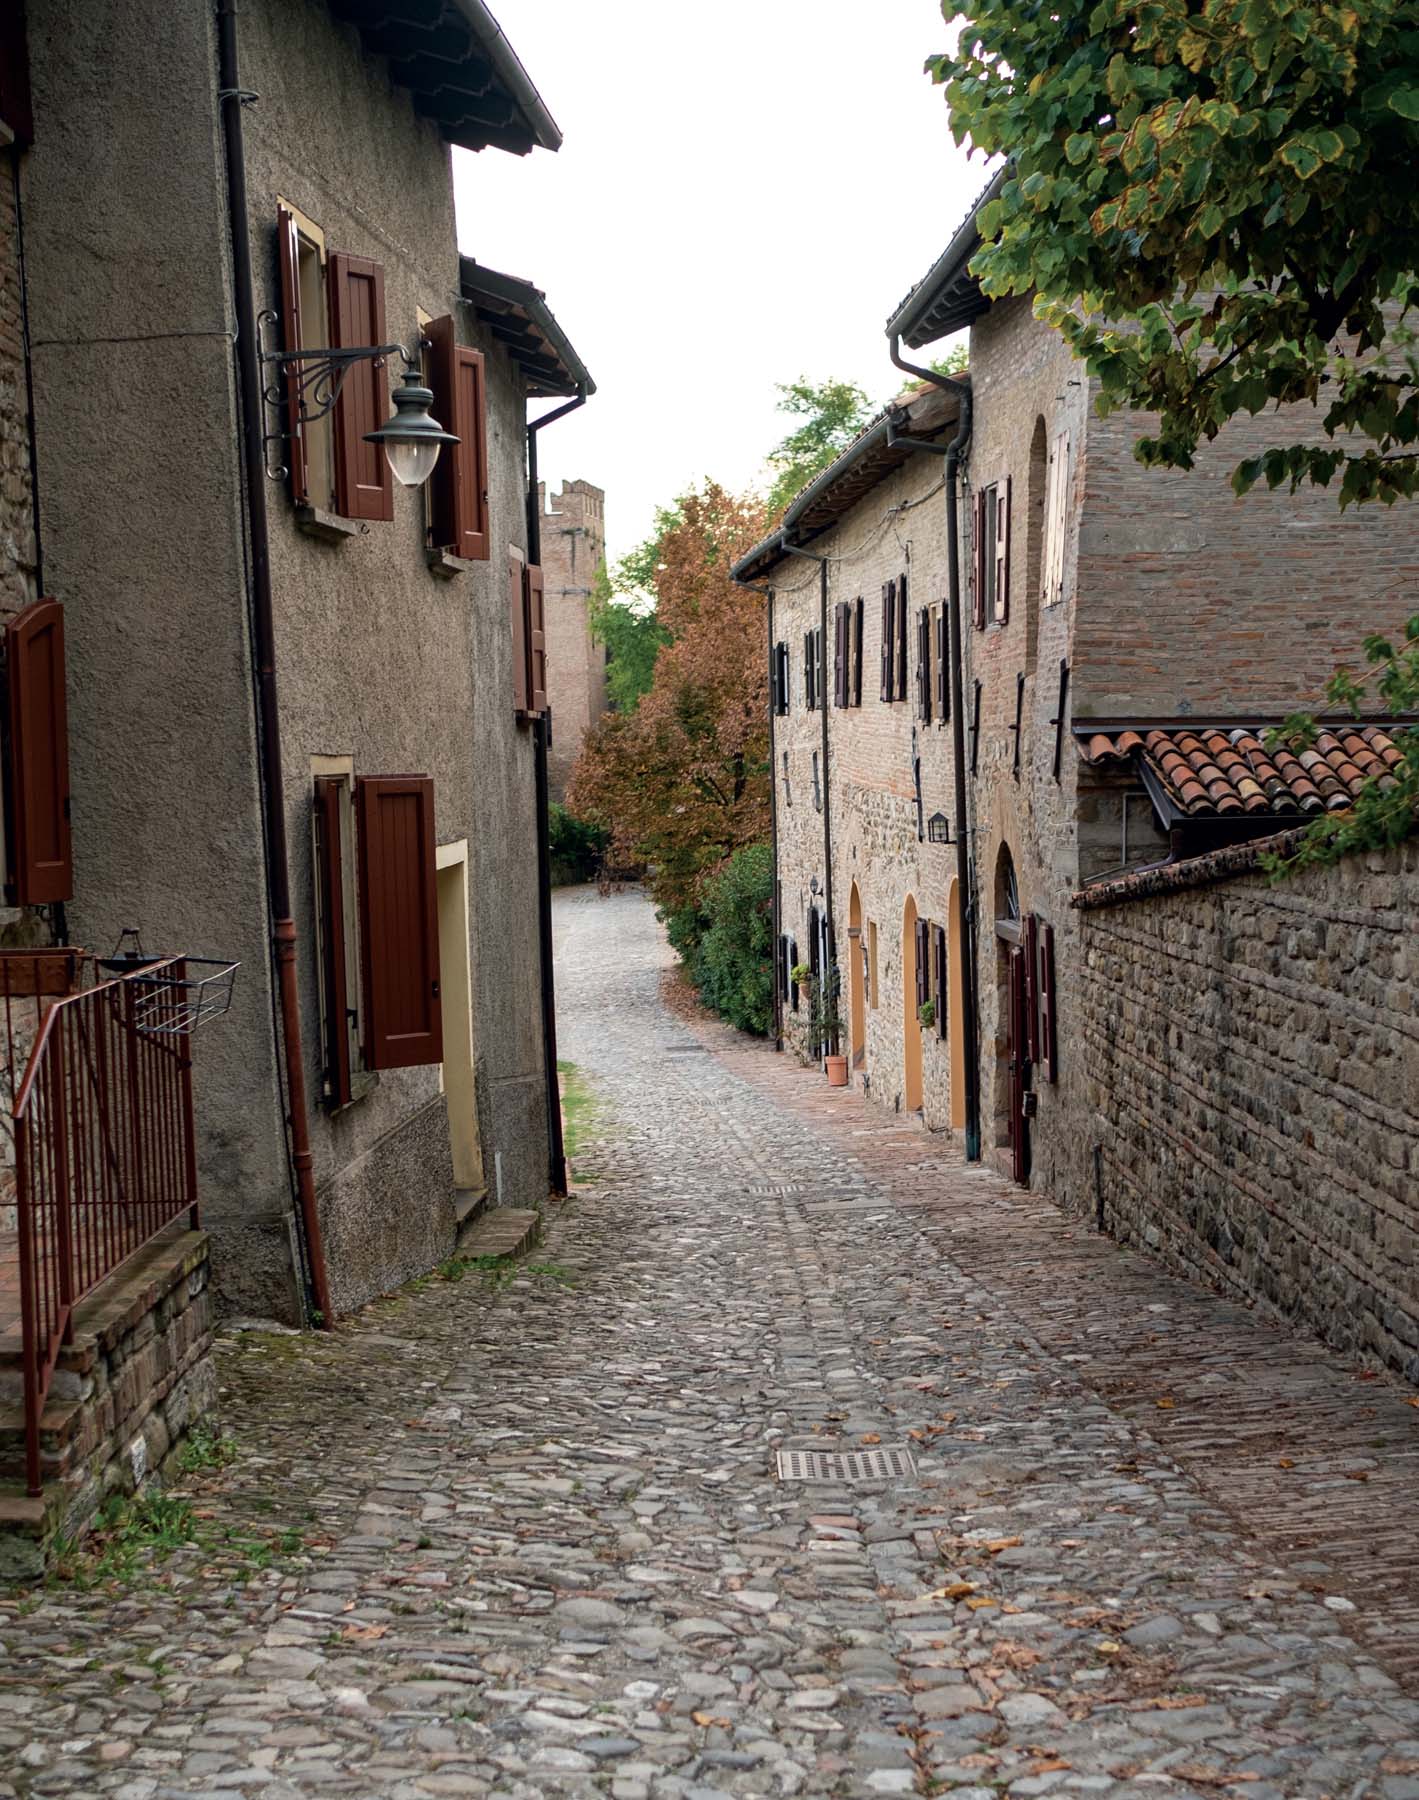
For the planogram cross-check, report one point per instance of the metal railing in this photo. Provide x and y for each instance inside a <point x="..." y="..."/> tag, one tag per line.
<point x="105" y="1153"/>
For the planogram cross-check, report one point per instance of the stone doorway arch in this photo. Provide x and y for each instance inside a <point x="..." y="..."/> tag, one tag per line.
<point x="911" y="1025"/>
<point x="856" y="982"/>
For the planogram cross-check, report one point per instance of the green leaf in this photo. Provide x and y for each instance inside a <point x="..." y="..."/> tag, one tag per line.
<point x="1078" y="148"/>
<point x="1299" y="155"/>
<point x="1405" y="102"/>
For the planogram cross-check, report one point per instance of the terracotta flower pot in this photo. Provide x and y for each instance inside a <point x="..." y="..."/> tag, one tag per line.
<point x="837" y="1071"/>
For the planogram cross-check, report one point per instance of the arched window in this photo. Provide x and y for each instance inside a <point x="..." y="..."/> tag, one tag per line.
<point x="1034" y="541"/>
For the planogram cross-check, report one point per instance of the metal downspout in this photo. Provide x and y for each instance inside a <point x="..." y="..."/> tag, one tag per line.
<point x="964" y="872"/>
<point x="278" y="873"/>
<point x="822" y="562"/>
<point x="541" y="740"/>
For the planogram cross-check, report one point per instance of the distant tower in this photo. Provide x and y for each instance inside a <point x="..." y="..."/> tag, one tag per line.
<point x="573" y="546"/>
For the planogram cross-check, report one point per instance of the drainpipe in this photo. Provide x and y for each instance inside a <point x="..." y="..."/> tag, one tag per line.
<point x="268" y="717"/>
<point x="773" y="831"/>
<point x="822" y="562"/>
<point x="541" y="743"/>
<point x="964" y="873"/>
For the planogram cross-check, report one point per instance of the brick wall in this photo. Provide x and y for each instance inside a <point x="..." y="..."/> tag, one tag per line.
<point x="573" y="548"/>
<point x="1250" y="1078"/>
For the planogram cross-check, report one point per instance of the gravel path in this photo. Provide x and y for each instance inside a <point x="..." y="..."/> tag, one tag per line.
<point x="532" y="1540"/>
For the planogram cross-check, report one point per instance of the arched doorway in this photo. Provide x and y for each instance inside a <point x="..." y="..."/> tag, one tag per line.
<point x="911" y="1025"/>
<point x="956" y="1017"/>
<point x="857" y="1004"/>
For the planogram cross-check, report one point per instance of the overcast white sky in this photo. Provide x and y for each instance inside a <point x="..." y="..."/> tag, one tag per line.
<point x="745" y="191"/>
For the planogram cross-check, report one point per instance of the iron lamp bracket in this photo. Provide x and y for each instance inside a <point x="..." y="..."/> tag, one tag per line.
<point x="313" y="378"/>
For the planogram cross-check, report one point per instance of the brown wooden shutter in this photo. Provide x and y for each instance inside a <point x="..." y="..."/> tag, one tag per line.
<point x="458" y="487"/>
<point x="925" y="683"/>
<point x="900" y="651"/>
<point x="1032" y="1009"/>
<point x="330" y="904"/>
<point x="41" y="845"/>
<point x="517" y="627"/>
<point x="399" y="939"/>
<point x="978" y="555"/>
<point x="364" y="481"/>
<point x="289" y="260"/>
<point x="938" y="948"/>
<point x="923" y="962"/>
<point x="857" y="617"/>
<point x="1002" y="550"/>
<point x="889" y="613"/>
<point x="1049" y="1026"/>
<point x="537" y="638"/>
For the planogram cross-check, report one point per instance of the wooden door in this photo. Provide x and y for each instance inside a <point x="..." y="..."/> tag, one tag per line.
<point x="1017" y="1058"/>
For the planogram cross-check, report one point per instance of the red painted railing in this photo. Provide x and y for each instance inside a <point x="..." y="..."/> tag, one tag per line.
<point x="105" y="1153"/>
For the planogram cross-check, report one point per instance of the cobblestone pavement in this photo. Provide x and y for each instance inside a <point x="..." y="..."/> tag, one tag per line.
<point x="530" y="1541"/>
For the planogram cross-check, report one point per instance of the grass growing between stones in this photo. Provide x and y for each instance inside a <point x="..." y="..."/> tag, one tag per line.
<point x="499" y="1271"/>
<point x="578" y="1111"/>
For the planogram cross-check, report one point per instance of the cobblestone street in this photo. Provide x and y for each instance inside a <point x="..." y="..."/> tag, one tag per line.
<point x="530" y="1538"/>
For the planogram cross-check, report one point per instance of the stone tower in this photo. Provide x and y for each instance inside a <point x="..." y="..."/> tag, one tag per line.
<point x="573" y="546"/>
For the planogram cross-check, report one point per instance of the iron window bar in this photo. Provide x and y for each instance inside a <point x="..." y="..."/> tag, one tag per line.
<point x="975" y="728"/>
<point x="1058" y="720"/>
<point x="1015" y="728"/>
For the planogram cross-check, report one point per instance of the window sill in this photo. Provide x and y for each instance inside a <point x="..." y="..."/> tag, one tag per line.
<point x="445" y="565"/>
<point x="329" y="527"/>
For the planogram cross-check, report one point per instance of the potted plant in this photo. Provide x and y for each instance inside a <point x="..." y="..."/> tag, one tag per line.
<point x="827" y="1026"/>
<point x="926" y="1014"/>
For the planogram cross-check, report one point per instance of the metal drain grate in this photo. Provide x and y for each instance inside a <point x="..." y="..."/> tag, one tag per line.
<point x="846" y="1465"/>
<point x="776" y="1190"/>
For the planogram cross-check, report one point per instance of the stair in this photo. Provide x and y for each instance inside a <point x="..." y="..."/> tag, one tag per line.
<point x="501" y="1231"/>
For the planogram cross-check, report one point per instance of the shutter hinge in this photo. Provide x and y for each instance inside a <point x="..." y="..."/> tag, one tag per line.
<point x="434" y="989"/>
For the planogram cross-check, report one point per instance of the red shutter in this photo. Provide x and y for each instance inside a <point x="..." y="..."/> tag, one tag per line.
<point x="364" y="481"/>
<point x="857" y="613"/>
<point x="901" y="645"/>
<point x="1049" y="1028"/>
<point x="330" y="905"/>
<point x="1002" y="550"/>
<point x="517" y="622"/>
<point x="537" y="637"/>
<point x="1032" y="1008"/>
<point x="889" y="610"/>
<point x="39" y="756"/>
<point x="938" y="945"/>
<point x="458" y="488"/>
<point x="978" y="554"/>
<point x="289" y="259"/>
<point x="399" y="939"/>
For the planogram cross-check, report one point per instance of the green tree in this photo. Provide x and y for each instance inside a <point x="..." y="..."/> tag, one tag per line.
<point x="632" y="633"/>
<point x="732" y="960"/>
<point x="1214" y="201"/>
<point x="832" y="414"/>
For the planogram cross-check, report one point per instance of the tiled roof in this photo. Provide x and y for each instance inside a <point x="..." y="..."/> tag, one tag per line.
<point x="1210" y="773"/>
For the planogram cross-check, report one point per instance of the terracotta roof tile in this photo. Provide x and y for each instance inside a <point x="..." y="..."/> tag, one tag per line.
<point x="1213" y="773"/>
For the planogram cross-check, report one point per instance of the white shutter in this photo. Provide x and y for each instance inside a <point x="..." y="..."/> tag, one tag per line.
<point x="1056" y="518"/>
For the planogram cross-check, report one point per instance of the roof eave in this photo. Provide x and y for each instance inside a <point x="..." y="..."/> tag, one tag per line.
<point x="569" y="375"/>
<point x="931" y="310"/>
<point x="545" y="132"/>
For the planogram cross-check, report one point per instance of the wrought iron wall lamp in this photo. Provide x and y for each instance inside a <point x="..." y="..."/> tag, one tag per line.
<point x="938" y="829"/>
<point x="411" y="440"/>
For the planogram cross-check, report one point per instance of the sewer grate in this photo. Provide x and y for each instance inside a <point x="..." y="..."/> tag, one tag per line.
<point x="846" y="1465"/>
<point x="775" y="1190"/>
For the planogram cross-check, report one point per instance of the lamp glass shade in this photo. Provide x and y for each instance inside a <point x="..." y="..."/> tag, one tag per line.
<point x="412" y="459"/>
<point x="412" y="438"/>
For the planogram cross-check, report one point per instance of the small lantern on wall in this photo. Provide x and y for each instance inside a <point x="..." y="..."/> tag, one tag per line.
<point x="938" y="829"/>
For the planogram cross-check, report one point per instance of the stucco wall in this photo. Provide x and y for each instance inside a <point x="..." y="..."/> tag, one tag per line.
<point x="17" y="540"/>
<point x="1251" y="1085"/>
<point x="378" y="659"/>
<point x="573" y="547"/>
<point x="137" y="452"/>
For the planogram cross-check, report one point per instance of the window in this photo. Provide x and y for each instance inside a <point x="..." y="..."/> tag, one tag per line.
<point x="992" y="554"/>
<point x="779" y="679"/>
<point x="458" y="487"/>
<point x="938" y="960"/>
<point x="813" y="668"/>
<point x="925" y="670"/>
<point x="375" y="913"/>
<point x="943" y="665"/>
<point x="1056" y="519"/>
<point x="894" y="640"/>
<point x="847" y="653"/>
<point x="333" y="300"/>
<point x="817" y="785"/>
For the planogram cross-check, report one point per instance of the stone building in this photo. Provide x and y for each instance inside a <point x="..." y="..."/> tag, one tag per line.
<point x="306" y="704"/>
<point x="1126" y="635"/>
<point x="573" y="549"/>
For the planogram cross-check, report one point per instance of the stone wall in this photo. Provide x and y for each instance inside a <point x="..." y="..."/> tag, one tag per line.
<point x="573" y="548"/>
<point x="17" y="536"/>
<point x="1251" y="1085"/>
<point x="133" y="1382"/>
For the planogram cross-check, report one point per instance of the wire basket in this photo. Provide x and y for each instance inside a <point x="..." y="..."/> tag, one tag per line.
<point x="165" y="1005"/>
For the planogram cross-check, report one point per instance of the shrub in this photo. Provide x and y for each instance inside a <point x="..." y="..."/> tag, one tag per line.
<point x="731" y="962"/>
<point x="576" y="846"/>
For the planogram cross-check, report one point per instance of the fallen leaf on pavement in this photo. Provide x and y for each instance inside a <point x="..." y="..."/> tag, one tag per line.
<point x="701" y="1718"/>
<point x="996" y="1545"/>
<point x="980" y="1601"/>
<point x="1165" y="1403"/>
<point x="362" y="1634"/>
<point x="870" y="1437"/>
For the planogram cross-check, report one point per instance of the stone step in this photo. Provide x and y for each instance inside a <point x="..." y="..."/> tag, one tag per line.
<point x="59" y="1424"/>
<point x="501" y="1231"/>
<point x="469" y="1205"/>
<point x="28" y="1523"/>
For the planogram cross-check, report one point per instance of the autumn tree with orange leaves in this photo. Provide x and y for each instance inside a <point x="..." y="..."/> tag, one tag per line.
<point x="683" y="781"/>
